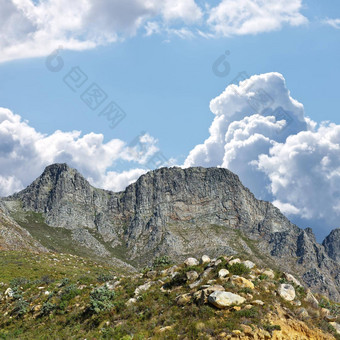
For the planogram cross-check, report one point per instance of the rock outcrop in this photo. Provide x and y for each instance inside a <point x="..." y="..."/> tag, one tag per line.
<point x="180" y="212"/>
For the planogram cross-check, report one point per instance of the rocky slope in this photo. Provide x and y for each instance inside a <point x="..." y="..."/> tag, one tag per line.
<point x="14" y="237"/>
<point x="66" y="297"/>
<point x="178" y="212"/>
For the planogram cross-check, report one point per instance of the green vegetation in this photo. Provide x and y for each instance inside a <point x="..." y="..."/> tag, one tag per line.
<point x="63" y="296"/>
<point x="239" y="269"/>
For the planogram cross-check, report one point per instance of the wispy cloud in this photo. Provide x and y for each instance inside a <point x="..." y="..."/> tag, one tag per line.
<point x="332" y="22"/>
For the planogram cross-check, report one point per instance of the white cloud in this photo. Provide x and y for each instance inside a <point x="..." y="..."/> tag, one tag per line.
<point x="240" y="17"/>
<point x="260" y="133"/>
<point x="33" y="29"/>
<point x="304" y="173"/>
<point x="24" y="153"/>
<point x="335" y="23"/>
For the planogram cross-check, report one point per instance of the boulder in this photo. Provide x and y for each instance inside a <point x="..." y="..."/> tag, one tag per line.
<point x="225" y="299"/>
<point x="142" y="288"/>
<point x="234" y="261"/>
<point x="192" y="275"/>
<point x="258" y="302"/>
<point x="191" y="261"/>
<point x="206" y="273"/>
<point x="205" y="259"/>
<point x="249" y="264"/>
<point x="302" y="313"/>
<point x="9" y="292"/>
<point x="242" y="282"/>
<point x="286" y="291"/>
<point x="269" y="273"/>
<point x="291" y="278"/>
<point x="183" y="299"/>
<point x="310" y="298"/>
<point x="336" y="326"/>
<point x="223" y="273"/>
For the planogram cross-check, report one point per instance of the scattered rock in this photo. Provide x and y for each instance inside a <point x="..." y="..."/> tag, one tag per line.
<point x="330" y="318"/>
<point x="205" y="259"/>
<point x="258" y="302"/>
<point x="242" y="282"/>
<point x="195" y="284"/>
<point x="249" y="264"/>
<point x="269" y="273"/>
<point x="336" y="327"/>
<point x="217" y="262"/>
<point x="164" y="329"/>
<point x="234" y="261"/>
<point x="225" y="299"/>
<point x="223" y="273"/>
<point x="183" y="299"/>
<point x="131" y="301"/>
<point x="142" y="288"/>
<point x="192" y="275"/>
<point x="291" y="278"/>
<point x="191" y="261"/>
<point x="302" y="313"/>
<point x="151" y="274"/>
<point x="9" y="292"/>
<point x="206" y="273"/>
<point x="286" y="291"/>
<point x="310" y="298"/>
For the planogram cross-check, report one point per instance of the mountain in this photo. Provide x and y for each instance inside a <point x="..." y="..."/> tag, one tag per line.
<point x="173" y="211"/>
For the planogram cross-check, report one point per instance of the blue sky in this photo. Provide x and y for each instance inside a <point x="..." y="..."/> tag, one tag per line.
<point x="164" y="82"/>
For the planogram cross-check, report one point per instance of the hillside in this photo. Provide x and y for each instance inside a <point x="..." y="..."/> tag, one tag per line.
<point x="174" y="212"/>
<point x="68" y="297"/>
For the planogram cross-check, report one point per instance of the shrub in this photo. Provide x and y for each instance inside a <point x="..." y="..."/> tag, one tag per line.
<point x="270" y="328"/>
<point x="101" y="299"/>
<point x="46" y="279"/>
<point x="47" y="308"/>
<point x="247" y="313"/>
<point x="263" y="277"/>
<point x="20" y="308"/>
<point x="238" y="269"/>
<point x="19" y="281"/>
<point x="64" y="282"/>
<point x="69" y="292"/>
<point x="162" y="261"/>
<point x="105" y="277"/>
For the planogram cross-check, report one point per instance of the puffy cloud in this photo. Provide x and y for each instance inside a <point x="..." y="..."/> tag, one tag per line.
<point x="260" y="133"/>
<point x="260" y="96"/>
<point x="31" y="28"/>
<point x="304" y="173"/>
<point x="24" y="153"/>
<point x="240" y="17"/>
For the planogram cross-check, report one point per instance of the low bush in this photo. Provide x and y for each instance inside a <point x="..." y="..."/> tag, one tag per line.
<point x="238" y="269"/>
<point x="101" y="299"/>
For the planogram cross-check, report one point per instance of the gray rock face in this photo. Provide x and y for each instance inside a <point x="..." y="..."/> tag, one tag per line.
<point x="332" y="245"/>
<point x="181" y="213"/>
<point x="14" y="237"/>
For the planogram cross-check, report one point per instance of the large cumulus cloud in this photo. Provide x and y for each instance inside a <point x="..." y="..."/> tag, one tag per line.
<point x="262" y="134"/>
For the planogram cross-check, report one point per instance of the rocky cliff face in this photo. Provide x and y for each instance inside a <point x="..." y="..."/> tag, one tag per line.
<point x="180" y="212"/>
<point x="332" y="245"/>
<point x="14" y="237"/>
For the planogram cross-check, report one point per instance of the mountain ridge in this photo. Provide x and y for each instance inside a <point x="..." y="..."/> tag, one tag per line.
<point x="179" y="212"/>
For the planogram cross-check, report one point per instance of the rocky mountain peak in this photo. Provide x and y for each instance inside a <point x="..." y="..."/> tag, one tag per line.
<point x="180" y="212"/>
<point x="332" y="244"/>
